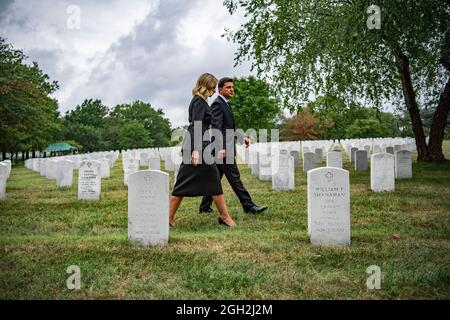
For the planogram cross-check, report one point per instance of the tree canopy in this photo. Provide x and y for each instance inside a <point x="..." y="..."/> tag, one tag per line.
<point x="255" y="106"/>
<point x="27" y="112"/>
<point x="134" y="125"/>
<point x="337" y="119"/>
<point x="323" y="47"/>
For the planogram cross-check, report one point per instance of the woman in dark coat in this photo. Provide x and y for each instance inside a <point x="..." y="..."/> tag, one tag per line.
<point x="194" y="178"/>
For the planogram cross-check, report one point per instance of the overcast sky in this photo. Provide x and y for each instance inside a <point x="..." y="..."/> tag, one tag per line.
<point x="124" y="50"/>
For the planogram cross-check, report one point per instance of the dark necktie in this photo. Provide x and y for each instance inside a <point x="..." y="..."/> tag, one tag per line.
<point x="232" y="115"/>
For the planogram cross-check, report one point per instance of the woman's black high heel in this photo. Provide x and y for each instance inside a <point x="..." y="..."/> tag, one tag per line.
<point x="221" y="221"/>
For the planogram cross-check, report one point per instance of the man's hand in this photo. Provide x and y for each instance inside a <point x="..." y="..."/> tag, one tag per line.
<point x="247" y="142"/>
<point x="221" y="154"/>
<point x="195" y="158"/>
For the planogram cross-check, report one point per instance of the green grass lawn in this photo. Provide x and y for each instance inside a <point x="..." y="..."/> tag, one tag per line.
<point x="44" y="230"/>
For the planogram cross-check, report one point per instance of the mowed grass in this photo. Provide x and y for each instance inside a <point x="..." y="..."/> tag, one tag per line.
<point x="44" y="230"/>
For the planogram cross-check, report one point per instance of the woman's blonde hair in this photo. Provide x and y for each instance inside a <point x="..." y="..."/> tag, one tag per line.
<point x="205" y="86"/>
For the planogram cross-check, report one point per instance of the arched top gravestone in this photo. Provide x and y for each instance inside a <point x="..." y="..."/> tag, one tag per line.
<point x="148" y="207"/>
<point x="329" y="206"/>
<point x="89" y="181"/>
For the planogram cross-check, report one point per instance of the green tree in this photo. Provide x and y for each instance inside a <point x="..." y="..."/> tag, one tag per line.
<point x="341" y="115"/>
<point x="27" y="112"/>
<point x="87" y="136"/>
<point x="111" y="133"/>
<point x="427" y="118"/>
<point x="157" y="126"/>
<point x="365" y="128"/>
<point x="335" y="110"/>
<point x="90" y="112"/>
<point x="326" y="47"/>
<point x="391" y="124"/>
<point x="86" y="124"/>
<point x="254" y="104"/>
<point x="133" y="134"/>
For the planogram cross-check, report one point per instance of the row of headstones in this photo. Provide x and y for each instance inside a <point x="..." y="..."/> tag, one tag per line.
<point x="377" y="145"/>
<point x="91" y="169"/>
<point x="275" y="162"/>
<point x="131" y="164"/>
<point x="89" y="177"/>
<point x="384" y="167"/>
<point x="5" y="171"/>
<point x="359" y="158"/>
<point x="269" y="162"/>
<point x="151" y="158"/>
<point x="390" y="159"/>
<point x="170" y="155"/>
<point x="328" y="207"/>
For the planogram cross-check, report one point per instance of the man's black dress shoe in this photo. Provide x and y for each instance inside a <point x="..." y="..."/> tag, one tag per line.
<point x="205" y="210"/>
<point x="255" y="209"/>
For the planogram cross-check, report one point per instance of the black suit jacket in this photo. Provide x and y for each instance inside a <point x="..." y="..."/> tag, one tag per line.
<point x="223" y="119"/>
<point x="198" y="112"/>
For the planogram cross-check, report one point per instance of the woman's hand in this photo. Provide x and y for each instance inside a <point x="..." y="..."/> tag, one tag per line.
<point x="195" y="158"/>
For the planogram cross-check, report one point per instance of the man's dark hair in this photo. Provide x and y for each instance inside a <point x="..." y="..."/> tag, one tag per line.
<point x="223" y="81"/>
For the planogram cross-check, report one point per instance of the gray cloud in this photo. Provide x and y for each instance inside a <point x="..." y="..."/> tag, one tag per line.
<point x="152" y="65"/>
<point x="152" y="53"/>
<point x="4" y="6"/>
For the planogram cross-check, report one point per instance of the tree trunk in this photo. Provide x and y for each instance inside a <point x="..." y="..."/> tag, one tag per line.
<point x="402" y="63"/>
<point x="438" y="126"/>
<point x="439" y="121"/>
<point x="34" y="153"/>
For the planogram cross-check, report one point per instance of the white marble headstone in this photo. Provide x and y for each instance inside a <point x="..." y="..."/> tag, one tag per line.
<point x="36" y="164"/>
<point x="143" y="159"/>
<point x="169" y="164"/>
<point x="148" y="207"/>
<point x="296" y="155"/>
<point x="329" y="206"/>
<point x="309" y="161"/>
<point x="265" y="167"/>
<point x="3" y="178"/>
<point x="318" y="155"/>
<point x="89" y="181"/>
<point x="334" y="159"/>
<point x="131" y="166"/>
<point x="64" y="176"/>
<point x="154" y="163"/>
<point x="52" y="168"/>
<point x="403" y="164"/>
<point x="104" y="168"/>
<point x="254" y="162"/>
<point x="9" y="164"/>
<point x="283" y="172"/>
<point x="382" y="176"/>
<point x="43" y="168"/>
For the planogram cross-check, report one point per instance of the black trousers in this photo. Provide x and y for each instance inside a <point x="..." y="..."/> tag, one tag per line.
<point x="231" y="171"/>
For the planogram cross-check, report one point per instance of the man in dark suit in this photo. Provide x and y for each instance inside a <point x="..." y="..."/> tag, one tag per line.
<point x="223" y="119"/>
